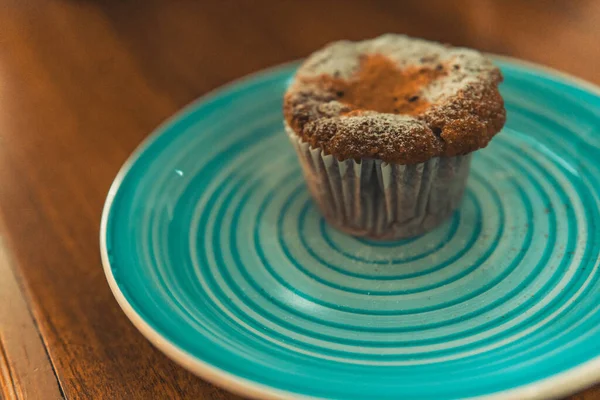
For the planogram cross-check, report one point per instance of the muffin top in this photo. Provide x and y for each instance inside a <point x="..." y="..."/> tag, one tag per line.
<point x="395" y="98"/>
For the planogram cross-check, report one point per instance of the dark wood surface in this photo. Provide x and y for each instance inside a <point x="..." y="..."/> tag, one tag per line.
<point x="82" y="82"/>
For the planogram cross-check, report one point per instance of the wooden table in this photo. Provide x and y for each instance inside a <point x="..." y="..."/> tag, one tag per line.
<point x="83" y="82"/>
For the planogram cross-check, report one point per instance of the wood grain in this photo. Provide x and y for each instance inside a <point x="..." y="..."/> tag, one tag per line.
<point x="25" y="369"/>
<point x="82" y="82"/>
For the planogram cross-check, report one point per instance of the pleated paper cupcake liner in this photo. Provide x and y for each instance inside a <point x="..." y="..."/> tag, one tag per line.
<point x="374" y="199"/>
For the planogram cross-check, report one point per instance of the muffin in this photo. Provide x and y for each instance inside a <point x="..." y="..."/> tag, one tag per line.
<point x="384" y="130"/>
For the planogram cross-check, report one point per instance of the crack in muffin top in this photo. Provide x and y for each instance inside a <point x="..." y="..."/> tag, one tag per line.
<point x="395" y="98"/>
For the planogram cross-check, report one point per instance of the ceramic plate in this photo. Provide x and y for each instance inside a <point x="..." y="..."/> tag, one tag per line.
<point x="214" y="250"/>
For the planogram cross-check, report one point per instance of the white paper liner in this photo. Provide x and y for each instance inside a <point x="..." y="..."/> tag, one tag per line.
<point x="374" y="199"/>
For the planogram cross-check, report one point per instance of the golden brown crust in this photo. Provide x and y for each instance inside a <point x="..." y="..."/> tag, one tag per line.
<point x="387" y="104"/>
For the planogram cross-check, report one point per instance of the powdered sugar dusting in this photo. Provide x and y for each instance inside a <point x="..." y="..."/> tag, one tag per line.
<point x="391" y="130"/>
<point x="342" y="59"/>
<point x="465" y="109"/>
<point x="370" y="123"/>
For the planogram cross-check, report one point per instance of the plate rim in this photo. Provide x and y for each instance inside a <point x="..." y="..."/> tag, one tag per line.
<point x="564" y="383"/>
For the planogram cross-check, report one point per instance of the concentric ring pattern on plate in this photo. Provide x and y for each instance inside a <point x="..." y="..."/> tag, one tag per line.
<point x="213" y="243"/>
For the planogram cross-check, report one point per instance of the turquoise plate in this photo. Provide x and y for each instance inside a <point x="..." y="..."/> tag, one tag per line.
<point x="214" y="250"/>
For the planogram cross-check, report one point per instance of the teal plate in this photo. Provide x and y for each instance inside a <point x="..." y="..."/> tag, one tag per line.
<point x="214" y="250"/>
